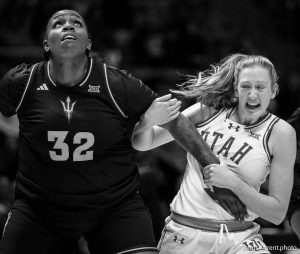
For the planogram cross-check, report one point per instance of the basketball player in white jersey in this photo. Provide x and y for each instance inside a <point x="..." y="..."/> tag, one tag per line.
<point x="252" y="144"/>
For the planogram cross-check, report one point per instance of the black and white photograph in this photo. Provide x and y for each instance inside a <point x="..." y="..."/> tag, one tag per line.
<point x="149" y="126"/>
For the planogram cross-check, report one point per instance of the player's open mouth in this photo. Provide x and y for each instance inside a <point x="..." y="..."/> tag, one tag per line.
<point x="252" y="105"/>
<point x="68" y="37"/>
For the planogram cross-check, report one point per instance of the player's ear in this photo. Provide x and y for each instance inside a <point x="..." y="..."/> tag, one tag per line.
<point x="275" y="91"/>
<point x="45" y="45"/>
<point x="89" y="45"/>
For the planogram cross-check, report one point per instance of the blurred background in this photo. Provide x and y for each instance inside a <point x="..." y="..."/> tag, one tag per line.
<point x="157" y="41"/>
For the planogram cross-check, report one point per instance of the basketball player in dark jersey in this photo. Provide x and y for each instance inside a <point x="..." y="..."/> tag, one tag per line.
<point x="77" y="175"/>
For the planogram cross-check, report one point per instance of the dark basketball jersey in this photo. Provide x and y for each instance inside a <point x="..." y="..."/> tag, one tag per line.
<point x="75" y="142"/>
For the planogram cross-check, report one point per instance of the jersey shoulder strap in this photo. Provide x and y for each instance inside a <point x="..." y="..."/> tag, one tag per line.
<point x="110" y="87"/>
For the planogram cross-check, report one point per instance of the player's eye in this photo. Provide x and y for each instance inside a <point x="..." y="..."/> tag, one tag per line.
<point x="245" y="87"/>
<point x="77" y="23"/>
<point x="260" y="87"/>
<point x="57" y="24"/>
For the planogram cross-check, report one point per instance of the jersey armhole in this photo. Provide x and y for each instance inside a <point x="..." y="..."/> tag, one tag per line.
<point x="211" y="118"/>
<point x="267" y="137"/>
<point x="26" y="87"/>
<point x="110" y="93"/>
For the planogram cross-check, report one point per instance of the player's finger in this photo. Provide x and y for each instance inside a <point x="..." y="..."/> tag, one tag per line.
<point x="246" y="215"/>
<point x="164" y="98"/>
<point x="233" y="208"/>
<point x="222" y="160"/>
<point x="207" y="181"/>
<point x="175" y="111"/>
<point x="209" y="166"/>
<point x="206" y="173"/>
<point x="241" y="209"/>
<point x="172" y="101"/>
<point x="174" y="116"/>
<point x="175" y="105"/>
<point x="224" y="206"/>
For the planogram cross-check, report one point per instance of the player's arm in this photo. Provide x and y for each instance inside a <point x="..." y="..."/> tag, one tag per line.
<point x="271" y="207"/>
<point x="12" y="89"/>
<point x="9" y="126"/>
<point x="182" y="129"/>
<point x="186" y="135"/>
<point x="155" y="127"/>
<point x="147" y="134"/>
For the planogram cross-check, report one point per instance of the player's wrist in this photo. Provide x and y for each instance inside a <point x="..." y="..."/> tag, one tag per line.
<point x="235" y="185"/>
<point x="145" y="122"/>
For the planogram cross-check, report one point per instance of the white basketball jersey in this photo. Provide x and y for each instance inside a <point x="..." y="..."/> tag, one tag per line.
<point x="245" y="146"/>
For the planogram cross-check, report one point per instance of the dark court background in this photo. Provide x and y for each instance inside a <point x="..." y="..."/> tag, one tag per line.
<point x="157" y="41"/>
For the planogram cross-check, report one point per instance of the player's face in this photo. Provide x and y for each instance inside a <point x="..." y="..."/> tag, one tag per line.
<point x="67" y="35"/>
<point x="254" y="90"/>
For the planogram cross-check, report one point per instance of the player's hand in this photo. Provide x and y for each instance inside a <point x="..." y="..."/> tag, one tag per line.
<point x="162" y="110"/>
<point x="218" y="177"/>
<point x="229" y="201"/>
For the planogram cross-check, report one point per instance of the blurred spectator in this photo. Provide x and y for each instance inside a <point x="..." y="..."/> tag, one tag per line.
<point x="9" y="133"/>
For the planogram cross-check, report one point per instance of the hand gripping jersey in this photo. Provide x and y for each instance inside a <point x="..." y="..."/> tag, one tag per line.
<point x="245" y="146"/>
<point x="75" y="142"/>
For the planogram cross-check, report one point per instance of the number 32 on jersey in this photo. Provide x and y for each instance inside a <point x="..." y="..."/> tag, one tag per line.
<point x="85" y="140"/>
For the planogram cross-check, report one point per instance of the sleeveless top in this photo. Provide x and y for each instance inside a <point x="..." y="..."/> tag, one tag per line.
<point x="245" y="146"/>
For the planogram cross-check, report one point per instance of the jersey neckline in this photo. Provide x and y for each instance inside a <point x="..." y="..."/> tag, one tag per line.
<point x="231" y="112"/>
<point x="82" y="82"/>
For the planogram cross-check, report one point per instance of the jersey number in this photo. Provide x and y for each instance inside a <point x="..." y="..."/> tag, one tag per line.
<point x="84" y="139"/>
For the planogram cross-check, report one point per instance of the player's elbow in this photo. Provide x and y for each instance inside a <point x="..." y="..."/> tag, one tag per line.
<point x="278" y="217"/>
<point x="138" y="145"/>
<point x="140" y="148"/>
<point x="277" y="221"/>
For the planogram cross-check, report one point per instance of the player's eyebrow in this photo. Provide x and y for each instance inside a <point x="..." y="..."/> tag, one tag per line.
<point x="65" y="14"/>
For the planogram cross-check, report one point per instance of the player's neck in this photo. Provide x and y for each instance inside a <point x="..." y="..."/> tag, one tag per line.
<point x="247" y="120"/>
<point x="68" y="73"/>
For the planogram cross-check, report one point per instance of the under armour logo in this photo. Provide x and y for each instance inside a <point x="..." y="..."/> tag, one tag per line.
<point x="254" y="135"/>
<point x="68" y="108"/>
<point x="94" y="89"/>
<point x="176" y="239"/>
<point x="231" y="126"/>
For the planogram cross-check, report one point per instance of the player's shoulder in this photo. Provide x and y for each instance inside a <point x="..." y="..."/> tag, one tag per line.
<point x="111" y="70"/>
<point x="120" y="74"/>
<point x="282" y="132"/>
<point x="199" y="113"/>
<point x="18" y="76"/>
<point x="283" y="127"/>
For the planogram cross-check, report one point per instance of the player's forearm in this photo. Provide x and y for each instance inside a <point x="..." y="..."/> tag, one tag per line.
<point x="145" y="137"/>
<point x="187" y="136"/>
<point x="142" y="137"/>
<point x="267" y="207"/>
<point x="9" y="126"/>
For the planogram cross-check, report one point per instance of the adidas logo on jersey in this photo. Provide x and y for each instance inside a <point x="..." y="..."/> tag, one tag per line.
<point x="43" y="87"/>
<point x="94" y="89"/>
